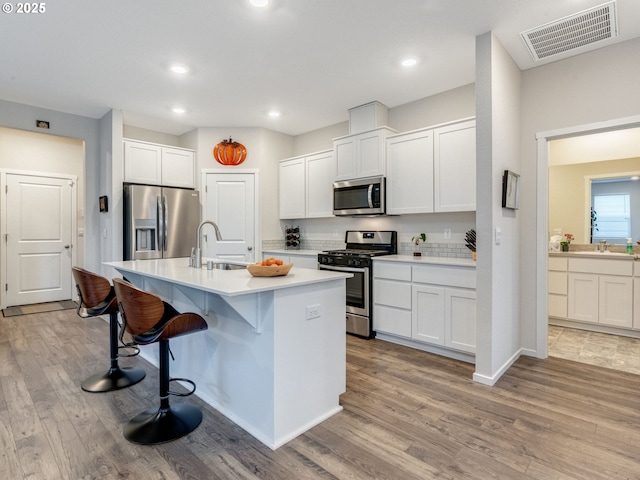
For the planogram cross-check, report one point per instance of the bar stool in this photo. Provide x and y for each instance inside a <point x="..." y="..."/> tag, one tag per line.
<point x="97" y="297"/>
<point x="149" y="319"/>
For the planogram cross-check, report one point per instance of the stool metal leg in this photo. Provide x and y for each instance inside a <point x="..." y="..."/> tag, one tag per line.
<point x="167" y="423"/>
<point x="115" y="378"/>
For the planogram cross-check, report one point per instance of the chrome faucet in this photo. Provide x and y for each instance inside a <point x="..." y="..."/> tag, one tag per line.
<point x="603" y="246"/>
<point x="197" y="255"/>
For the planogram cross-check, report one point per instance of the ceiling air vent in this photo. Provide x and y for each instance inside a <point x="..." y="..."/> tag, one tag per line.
<point x="585" y="28"/>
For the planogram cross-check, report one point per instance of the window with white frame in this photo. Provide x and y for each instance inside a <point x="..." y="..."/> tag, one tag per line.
<point x="613" y="216"/>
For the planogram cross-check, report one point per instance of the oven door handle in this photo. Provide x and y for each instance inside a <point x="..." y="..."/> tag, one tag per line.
<point x="342" y="269"/>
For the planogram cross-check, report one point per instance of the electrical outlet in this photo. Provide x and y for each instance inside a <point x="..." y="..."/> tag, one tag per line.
<point x="447" y="234"/>
<point x="313" y="311"/>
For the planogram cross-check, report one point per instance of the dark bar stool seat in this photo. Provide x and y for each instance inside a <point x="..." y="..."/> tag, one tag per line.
<point x="97" y="297"/>
<point x="148" y="320"/>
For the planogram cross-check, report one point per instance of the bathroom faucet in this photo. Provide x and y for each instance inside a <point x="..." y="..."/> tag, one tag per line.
<point x="603" y="246"/>
<point x="197" y="257"/>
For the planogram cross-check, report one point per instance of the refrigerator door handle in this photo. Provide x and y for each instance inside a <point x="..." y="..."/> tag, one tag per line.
<point x="159" y="224"/>
<point x="165" y="221"/>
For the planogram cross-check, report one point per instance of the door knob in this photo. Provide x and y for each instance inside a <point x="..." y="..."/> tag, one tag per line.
<point x="249" y="248"/>
<point x="67" y="246"/>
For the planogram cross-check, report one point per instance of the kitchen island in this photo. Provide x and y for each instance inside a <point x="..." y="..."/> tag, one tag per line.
<point x="274" y="357"/>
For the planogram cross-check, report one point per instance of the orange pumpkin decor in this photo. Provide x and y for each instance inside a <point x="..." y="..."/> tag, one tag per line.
<point x="228" y="152"/>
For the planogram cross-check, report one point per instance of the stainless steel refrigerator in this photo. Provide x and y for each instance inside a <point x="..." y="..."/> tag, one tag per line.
<point x="159" y="222"/>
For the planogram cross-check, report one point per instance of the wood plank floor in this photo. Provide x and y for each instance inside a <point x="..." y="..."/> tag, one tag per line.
<point x="407" y="415"/>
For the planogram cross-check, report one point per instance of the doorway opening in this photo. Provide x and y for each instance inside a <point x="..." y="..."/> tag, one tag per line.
<point x="589" y="345"/>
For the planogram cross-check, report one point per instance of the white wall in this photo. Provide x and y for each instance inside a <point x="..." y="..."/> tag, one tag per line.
<point x="23" y="117"/>
<point x="498" y="291"/>
<point x="144" y="135"/>
<point x="264" y="149"/>
<point x="593" y="87"/>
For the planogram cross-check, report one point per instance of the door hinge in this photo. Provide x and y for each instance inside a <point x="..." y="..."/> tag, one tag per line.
<point x="206" y="188"/>
<point x="6" y="237"/>
<point x="71" y="183"/>
<point x="6" y="287"/>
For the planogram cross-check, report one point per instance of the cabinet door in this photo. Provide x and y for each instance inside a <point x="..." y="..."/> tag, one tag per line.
<point x="178" y="168"/>
<point x="370" y="154"/>
<point x="319" y="185"/>
<point x="345" y="151"/>
<point x="582" y="297"/>
<point x="636" y="302"/>
<point x="305" y="261"/>
<point x="455" y="167"/>
<point x="410" y="173"/>
<point x="558" y="283"/>
<point x="460" y="319"/>
<point x="142" y="163"/>
<point x="428" y="313"/>
<point x="557" y="306"/>
<point x="292" y="189"/>
<point x="615" y="297"/>
<point x="395" y="321"/>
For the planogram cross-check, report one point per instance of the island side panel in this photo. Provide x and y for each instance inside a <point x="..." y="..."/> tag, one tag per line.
<point x="310" y="356"/>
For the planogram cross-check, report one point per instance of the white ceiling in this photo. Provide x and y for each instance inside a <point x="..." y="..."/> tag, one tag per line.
<point x="310" y="59"/>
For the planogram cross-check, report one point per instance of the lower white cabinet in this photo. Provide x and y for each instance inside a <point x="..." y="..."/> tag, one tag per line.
<point x="636" y="299"/>
<point x="432" y="304"/>
<point x="600" y="291"/>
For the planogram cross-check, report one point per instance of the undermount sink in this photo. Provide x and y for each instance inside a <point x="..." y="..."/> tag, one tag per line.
<point x="227" y="266"/>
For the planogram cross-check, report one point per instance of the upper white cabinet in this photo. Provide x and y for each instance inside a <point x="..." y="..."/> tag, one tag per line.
<point x="410" y="173"/>
<point x="432" y="170"/>
<point x="306" y="186"/>
<point x="153" y="164"/>
<point x="362" y="155"/>
<point x="454" y="167"/>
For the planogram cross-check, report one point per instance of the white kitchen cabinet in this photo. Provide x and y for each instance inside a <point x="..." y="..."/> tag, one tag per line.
<point x="362" y="155"/>
<point x="292" y="188"/>
<point x="392" y="299"/>
<point x="426" y="304"/>
<point x="306" y="186"/>
<point x="153" y="164"/>
<point x="432" y="170"/>
<point x="410" y="173"/>
<point x="428" y="314"/>
<point x="455" y="167"/>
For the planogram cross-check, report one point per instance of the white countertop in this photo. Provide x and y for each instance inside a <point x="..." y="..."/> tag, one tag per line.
<point x="222" y="282"/>
<point x="426" y="260"/>
<point x="598" y="255"/>
<point x="292" y="252"/>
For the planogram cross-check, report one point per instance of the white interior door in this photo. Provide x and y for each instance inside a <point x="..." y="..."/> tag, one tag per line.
<point x="38" y="212"/>
<point x="230" y="202"/>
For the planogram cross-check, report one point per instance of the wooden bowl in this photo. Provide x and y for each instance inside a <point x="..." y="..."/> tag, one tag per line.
<point x="277" y="271"/>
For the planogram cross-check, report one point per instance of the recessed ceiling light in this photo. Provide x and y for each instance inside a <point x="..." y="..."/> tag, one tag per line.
<point x="274" y="113"/>
<point x="259" y="3"/>
<point x="178" y="110"/>
<point x="181" y="69"/>
<point x="409" y="62"/>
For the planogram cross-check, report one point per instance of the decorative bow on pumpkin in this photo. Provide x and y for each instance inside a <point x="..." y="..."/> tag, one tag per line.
<point x="228" y="152"/>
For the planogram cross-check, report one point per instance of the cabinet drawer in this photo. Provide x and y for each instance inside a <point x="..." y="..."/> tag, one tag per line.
<point x="392" y="271"/>
<point x="445" y="275"/>
<point x="557" y="305"/>
<point x="392" y="320"/>
<point x="603" y="267"/>
<point x="558" y="263"/>
<point x="558" y="283"/>
<point x="392" y="294"/>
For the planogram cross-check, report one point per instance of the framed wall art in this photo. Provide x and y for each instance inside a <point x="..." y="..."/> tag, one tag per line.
<point x="510" y="190"/>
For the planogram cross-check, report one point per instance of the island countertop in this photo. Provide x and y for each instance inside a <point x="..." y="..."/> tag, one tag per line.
<point x="222" y="282"/>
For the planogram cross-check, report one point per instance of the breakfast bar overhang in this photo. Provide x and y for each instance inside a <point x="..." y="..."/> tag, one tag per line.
<point x="274" y="357"/>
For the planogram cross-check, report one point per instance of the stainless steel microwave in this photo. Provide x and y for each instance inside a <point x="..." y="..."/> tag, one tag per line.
<point x="363" y="196"/>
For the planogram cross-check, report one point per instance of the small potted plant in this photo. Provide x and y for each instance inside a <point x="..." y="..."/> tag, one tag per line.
<point x="417" y="240"/>
<point x="564" y="243"/>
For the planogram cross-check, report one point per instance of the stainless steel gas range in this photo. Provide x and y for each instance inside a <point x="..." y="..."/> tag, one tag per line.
<point x="357" y="258"/>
